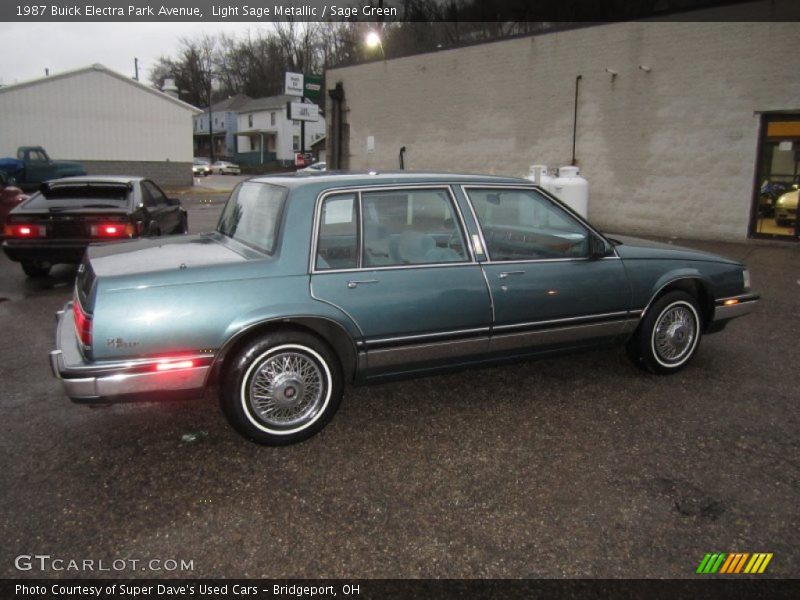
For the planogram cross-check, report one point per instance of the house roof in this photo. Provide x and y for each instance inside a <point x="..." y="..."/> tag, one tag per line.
<point x="102" y="69"/>
<point x="231" y="103"/>
<point x="268" y="103"/>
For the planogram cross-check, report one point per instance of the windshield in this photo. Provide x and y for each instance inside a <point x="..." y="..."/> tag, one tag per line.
<point x="252" y="215"/>
<point x="82" y="195"/>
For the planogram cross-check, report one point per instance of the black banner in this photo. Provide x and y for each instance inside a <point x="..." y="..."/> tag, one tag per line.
<point x="572" y="11"/>
<point x="387" y="589"/>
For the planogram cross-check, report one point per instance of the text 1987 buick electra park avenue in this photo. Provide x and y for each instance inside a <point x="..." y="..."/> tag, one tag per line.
<point x="312" y="281"/>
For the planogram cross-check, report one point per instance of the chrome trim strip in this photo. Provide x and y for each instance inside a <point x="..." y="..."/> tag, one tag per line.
<point x="357" y="191"/>
<point x="396" y="267"/>
<point x="612" y="316"/>
<point x="549" y="196"/>
<point x="491" y="294"/>
<point x="427" y="336"/>
<point x="416" y="353"/>
<point x="558" y="335"/>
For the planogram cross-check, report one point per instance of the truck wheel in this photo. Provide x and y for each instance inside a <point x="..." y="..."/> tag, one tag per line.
<point x="668" y="335"/>
<point x="282" y="388"/>
<point x="36" y="268"/>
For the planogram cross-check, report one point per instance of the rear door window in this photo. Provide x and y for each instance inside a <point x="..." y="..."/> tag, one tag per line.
<point x="411" y="227"/>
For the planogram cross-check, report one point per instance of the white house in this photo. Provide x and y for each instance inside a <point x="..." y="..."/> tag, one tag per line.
<point x="223" y="119"/>
<point x="266" y="135"/>
<point x="110" y="123"/>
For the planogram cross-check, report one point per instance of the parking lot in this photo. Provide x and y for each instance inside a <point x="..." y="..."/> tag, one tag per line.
<point x="581" y="466"/>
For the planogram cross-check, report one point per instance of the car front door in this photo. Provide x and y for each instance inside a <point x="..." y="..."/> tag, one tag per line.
<point x="159" y="209"/>
<point x="397" y="262"/>
<point x="549" y="288"/>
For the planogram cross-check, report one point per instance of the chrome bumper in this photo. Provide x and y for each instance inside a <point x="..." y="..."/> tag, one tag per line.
<point x="119" y="381"/>
<point x="735" y="306"/>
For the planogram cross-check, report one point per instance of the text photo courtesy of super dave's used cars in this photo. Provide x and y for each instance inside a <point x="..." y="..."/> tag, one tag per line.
<point x="311" y="283"/>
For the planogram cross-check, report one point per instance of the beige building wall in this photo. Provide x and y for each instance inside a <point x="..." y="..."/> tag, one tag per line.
<point x="668" y="150"/>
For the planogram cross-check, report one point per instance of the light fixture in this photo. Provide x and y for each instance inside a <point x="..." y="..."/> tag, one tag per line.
<point x="373" y="39"/>
<point x="644" y="68"/>
<point x="611" y="72"/>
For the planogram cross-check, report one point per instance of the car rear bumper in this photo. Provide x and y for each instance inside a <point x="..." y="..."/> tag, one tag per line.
<point x="120" y="381"/>
<point x="54" y="253"/>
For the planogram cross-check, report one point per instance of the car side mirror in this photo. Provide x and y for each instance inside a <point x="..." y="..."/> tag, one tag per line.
<point x="597" y="246"/>
<point x="173" y="202"/>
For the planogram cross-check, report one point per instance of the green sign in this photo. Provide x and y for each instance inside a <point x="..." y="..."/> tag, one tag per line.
<point x="312" y="87"/>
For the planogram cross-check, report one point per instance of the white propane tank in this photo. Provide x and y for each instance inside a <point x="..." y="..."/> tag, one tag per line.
<point x="538" y="175"/>
<point x="572" y="190"/>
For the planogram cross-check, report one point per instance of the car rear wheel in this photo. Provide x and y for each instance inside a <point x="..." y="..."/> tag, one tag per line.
<point x="669" y="334"/>
<point x="36" y="268"/>
<point x="282" y="388"/>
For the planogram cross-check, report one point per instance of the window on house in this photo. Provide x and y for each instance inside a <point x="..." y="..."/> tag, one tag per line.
<point x="272" y="118"/>
<point x="249" y="120"/>
<point x="296" y="143"/>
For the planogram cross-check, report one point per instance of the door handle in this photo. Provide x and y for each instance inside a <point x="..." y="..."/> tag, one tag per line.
<point x="506" y="274"/>
<point x="352" y="284"/>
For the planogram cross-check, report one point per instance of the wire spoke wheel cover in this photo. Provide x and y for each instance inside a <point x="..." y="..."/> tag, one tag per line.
<point x="286" y="389"/>
<point x="675" y="334"/>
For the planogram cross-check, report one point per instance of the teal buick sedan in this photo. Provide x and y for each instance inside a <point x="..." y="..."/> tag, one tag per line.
<point x="313" y="281"/>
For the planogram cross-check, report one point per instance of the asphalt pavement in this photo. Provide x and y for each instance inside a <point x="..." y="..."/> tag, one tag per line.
<point x="580" y="466"/>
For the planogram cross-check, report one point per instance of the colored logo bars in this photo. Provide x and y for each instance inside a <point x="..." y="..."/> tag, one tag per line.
<point x="735" y="563"/>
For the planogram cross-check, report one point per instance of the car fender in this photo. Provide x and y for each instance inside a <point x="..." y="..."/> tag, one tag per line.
<point x="675" y="276"/>
<point x="325" y="321"/>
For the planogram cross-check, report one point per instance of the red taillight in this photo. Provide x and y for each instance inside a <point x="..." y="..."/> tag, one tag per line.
<point x="24" y="230"/>
<point x="167" y="365"/>
<point x="83" y="323"/>
<point x="112" y="230"/>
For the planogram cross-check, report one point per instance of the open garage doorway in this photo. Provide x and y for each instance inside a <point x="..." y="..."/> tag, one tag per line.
<point x="774" y="213"/>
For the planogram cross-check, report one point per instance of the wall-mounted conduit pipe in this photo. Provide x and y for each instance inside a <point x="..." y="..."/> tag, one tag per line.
<point x="575" y="120"/>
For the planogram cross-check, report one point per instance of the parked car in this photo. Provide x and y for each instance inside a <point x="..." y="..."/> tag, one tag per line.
<point x="317" y="167"/>
<point x="223" y="167"/>
<point x="56" y="224"/>
<point x="33" y="165"/>
<point x="309" y="283"/>
<point x="201" y="167"/>
<point x="10" y="197"/>
<point x="786" y="209"/>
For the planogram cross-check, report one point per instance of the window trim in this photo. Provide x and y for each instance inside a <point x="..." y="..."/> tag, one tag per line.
<point x="555" y="201"/>
<point x="358" y="190"/>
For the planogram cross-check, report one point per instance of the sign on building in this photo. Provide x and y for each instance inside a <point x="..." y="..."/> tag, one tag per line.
<point x="312" y="85"/>
<point x="294" y="84"/>
<point x="300" y="111"/>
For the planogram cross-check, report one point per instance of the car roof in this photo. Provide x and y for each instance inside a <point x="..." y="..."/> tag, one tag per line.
<point x="345" y="178"/>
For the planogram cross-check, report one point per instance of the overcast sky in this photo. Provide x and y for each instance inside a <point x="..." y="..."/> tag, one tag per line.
<point x="26" y="49"/>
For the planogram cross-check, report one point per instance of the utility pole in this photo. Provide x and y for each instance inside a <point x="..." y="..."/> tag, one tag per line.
<point x="136" y="68"/>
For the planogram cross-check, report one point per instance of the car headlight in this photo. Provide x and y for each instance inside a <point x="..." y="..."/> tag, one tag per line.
<point x="780" y="201"/>
<point x="746" y="279"/>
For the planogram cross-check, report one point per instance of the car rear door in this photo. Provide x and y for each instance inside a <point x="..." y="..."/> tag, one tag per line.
<point x="397" y="262"/>
<point x="546" y="289"/>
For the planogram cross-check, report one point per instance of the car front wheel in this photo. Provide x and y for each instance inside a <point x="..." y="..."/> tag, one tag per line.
<point x="281" y="389"/>
<point x="669" y="334"/>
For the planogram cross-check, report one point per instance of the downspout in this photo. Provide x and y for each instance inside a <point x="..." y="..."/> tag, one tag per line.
<point x="575" y="120"/>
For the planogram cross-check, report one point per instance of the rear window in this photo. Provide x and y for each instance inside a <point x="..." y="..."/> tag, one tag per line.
<point x="82" y="195"/>
<point x="252" y="215"/>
